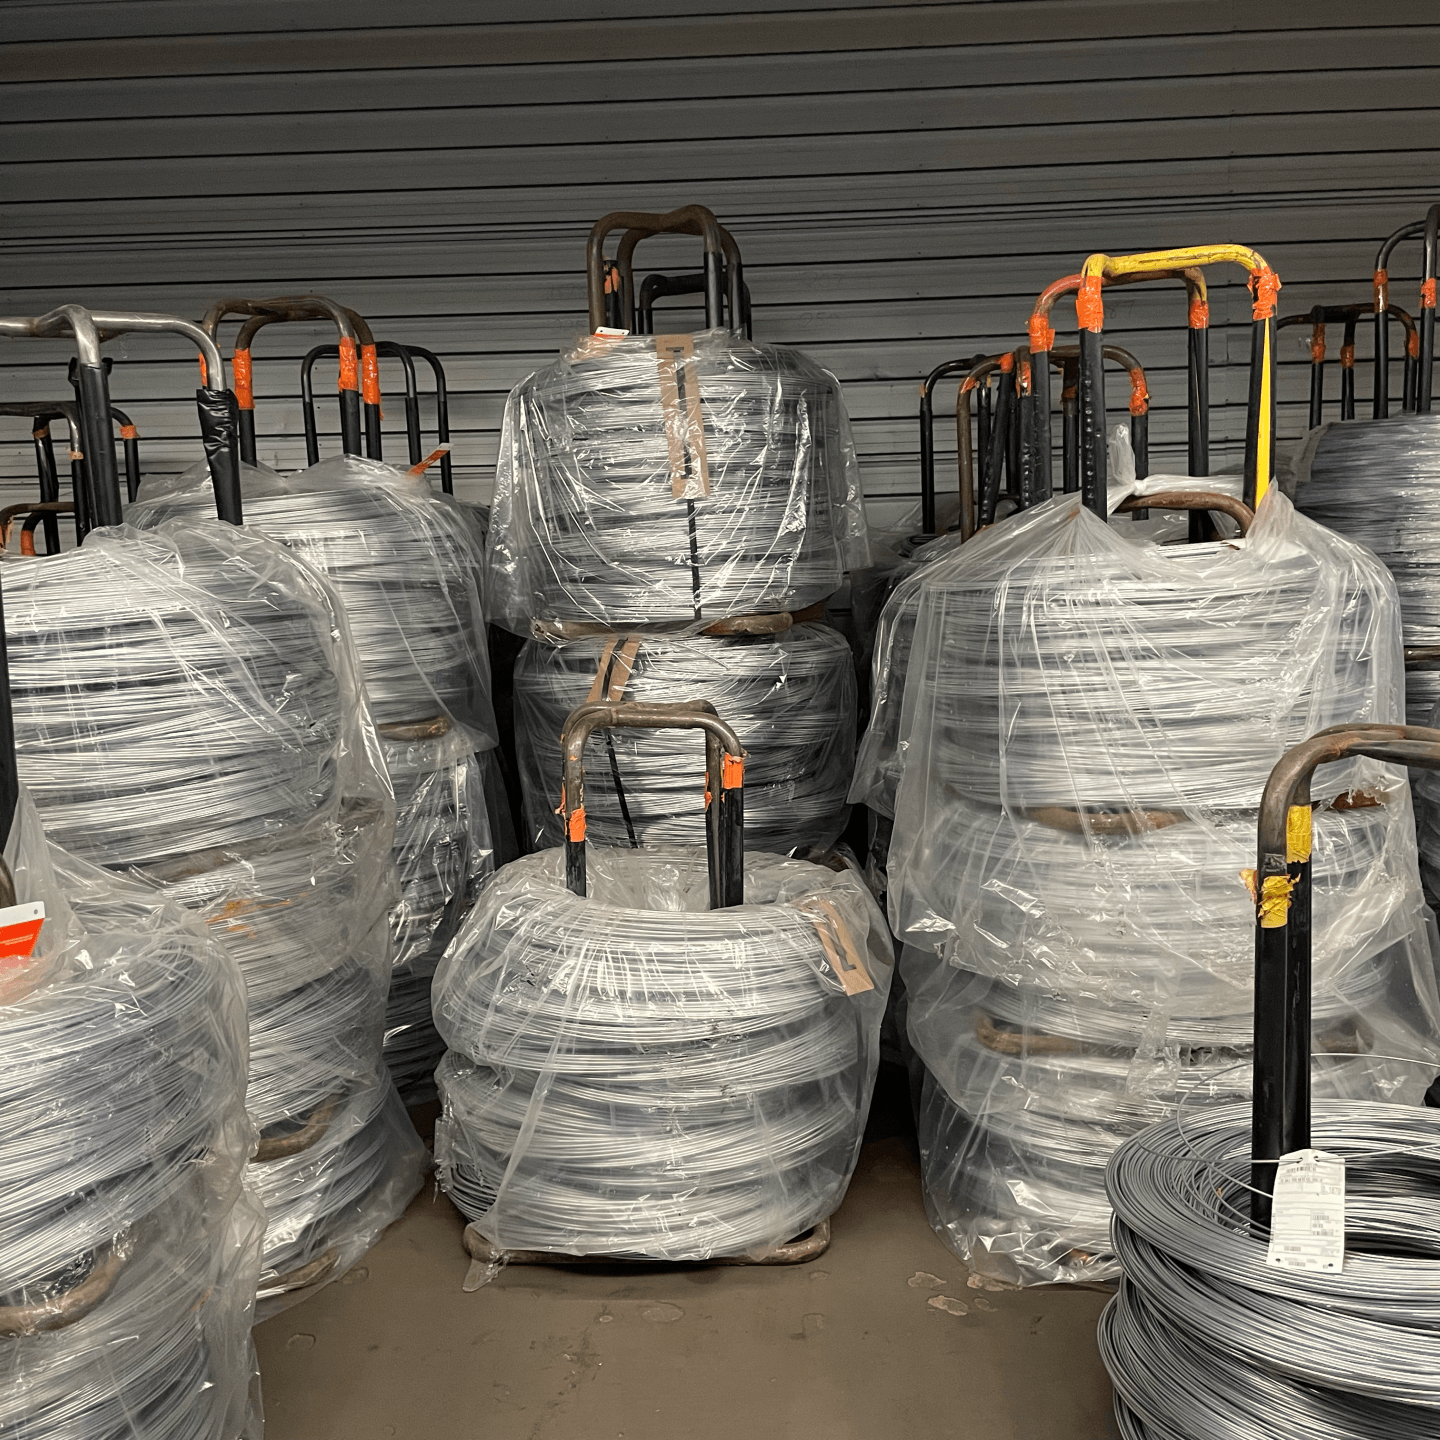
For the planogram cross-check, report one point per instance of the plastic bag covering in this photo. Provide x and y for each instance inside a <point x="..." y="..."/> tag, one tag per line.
<point x="188" y="703"/>
<point x="608" y="508"/>
<point x="443" y="849"/>
<point x="790" y="698"/>
<point x="128" y="1247"/>
<point x="1085" y="729"/>
<point x="1378" y="482"/>
<point x="630" y="1074"/>
<point x="404" y="561"/>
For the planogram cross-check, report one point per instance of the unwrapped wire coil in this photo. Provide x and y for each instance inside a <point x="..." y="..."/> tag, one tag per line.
<point x="790" y="698"/>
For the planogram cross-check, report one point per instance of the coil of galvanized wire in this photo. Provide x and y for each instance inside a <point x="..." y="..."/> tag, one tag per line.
<point x="789" y="697"/>
<point x="1153" y="917"/>
<point x="606" y="508"/>
<point x="1110" y="684"/>
<point x="706" y="1068"/>
<point x="404" y="562"/>
<point x="197" y="664"/>
<point x="1353" y="1349"/>
<point x="1378" y="483"/>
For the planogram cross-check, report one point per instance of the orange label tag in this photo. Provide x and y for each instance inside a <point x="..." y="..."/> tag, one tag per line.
<point x="684" y="427"/>
<point x="19" y="930"/>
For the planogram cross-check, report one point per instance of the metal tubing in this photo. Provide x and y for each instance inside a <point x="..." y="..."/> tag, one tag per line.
<point x="1381" y="281"/>
<point x="1427" y="311"/>
<point x="1094" y="460"/>
<point x="130" y="443"/>
<point x="640" y="318"/>
<point x="687" y="220"/>
<point x="927" y="436"/>
<point x="724" y="786"/>
<point x="442" y="413"/>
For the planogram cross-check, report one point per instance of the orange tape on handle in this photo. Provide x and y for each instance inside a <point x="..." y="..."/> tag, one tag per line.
<point x="129" y="432"/>
<point x="27" y="542"/>
<point x="1317" y="350"/>
<point x="1427" y="294"/>
<point x="349" y="365"/>
<point x="1412" y="345"/>
<point x="370" y="375"/>
<point x="204" y="373"/>
<point x="1199" y="314"/>
<point x="1139" y="395"/>
<point x="576" y="829"/>
<point x="1265" y="287"/>
<point x="1042" y="335"/>
<point x="1089" y="306"/>
<point x="1381" y="282"/>
<point x="732" y="772"/>
<point x="1007" y="363"/>
<point x="244" y="385"/>
<point x="1347" y="357"/>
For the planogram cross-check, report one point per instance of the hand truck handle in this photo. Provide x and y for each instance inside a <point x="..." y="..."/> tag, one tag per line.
<point x="640" y="311"/>
<point x="724" y="786"/>
<point x="688" y="220"/>
<point x="1281" y="888"/>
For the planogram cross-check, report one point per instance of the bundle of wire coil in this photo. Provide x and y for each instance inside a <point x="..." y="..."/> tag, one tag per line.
<point x="1204" y="1338"/>
<point x="122" y="1137"/>
<point x="327" y="1200"/>
<point x="629" y="1077"/>
<point x="1379" y="484"/>
<point x="1077" y="740"/>
<point x="790" y="698"/>
<point x="590" y="509"/>
<point x="188" y="664"/>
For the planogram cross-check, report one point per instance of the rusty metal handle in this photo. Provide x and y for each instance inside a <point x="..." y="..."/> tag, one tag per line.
<point x="74" y="1304"/>
<point x="295" y="1142"/>
<point x="724" y="786"/>
<point x="736" y="293"/>
<point x="1194" y="500"/>
<point x="688" y="220"/>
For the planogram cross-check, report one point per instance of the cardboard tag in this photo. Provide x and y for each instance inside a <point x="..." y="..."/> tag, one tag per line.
<point x="19" y="932"/>
<point x="614" y="667"/>
<point x="1307" y="1222"/>
<point x="684" y="427"/>
<point x="844" y="955"/>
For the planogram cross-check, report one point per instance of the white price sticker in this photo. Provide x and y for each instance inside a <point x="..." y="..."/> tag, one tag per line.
<point x="1307" y="1221"/>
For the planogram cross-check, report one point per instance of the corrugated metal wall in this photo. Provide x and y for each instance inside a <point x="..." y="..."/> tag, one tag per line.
<point x="902" y="178"/>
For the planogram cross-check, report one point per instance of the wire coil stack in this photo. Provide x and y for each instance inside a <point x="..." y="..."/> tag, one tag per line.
<point x="128" y="1250"/>
<point x="790" y="697"/>
<point x="1204" y="1338"/>
<point x="631" y="1075"/>
<point x="188" y="707"/>
<point x="405" y="565"/>
<point x="626" y="501"/>
<point x="1379" y="484"/>
<point x="1077" y="747"/>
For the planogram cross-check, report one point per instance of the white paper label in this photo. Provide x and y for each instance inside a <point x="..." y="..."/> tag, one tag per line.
<point x="610" y="330"/>
<point x="1307" y="1222"/>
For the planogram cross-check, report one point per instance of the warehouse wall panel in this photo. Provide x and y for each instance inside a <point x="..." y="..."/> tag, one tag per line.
<point x="903" y="179"/>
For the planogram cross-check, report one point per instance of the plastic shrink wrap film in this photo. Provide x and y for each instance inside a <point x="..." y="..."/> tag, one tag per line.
<point x="606" y="513"/>
<point x="1378" y="482"/>
<point x="1081" y="947"/>
<point x="187" y="702"/>
<point x="129" y="1248"/>
<point x="790" y="698"/>
<point x="631" y="1074"/>
<point x="406" y="564"/>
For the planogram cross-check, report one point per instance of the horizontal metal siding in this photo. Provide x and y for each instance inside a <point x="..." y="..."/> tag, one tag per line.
<point x="902" y="178"/>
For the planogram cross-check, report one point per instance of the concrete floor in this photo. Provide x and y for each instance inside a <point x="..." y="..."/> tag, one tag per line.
<point x="884" y="1337"/>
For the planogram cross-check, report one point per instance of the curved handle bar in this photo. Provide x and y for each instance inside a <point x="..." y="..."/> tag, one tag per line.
<point x="1281" y="888"/>
<point x="688" y="220"/>
<point x="927" y="435"/>
<point x="1193" y="500"/>
<point x="737" y="292"/>
<point x="724" y="786"/>
<point x="73" y="1304"/>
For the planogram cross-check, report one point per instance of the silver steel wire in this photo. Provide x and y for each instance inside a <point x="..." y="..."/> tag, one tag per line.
<point x="1378" y="482"/>
<point x="660" y="1081"/>
<point x="1360" y="1342"/>
<point x="789" y="697"/>
<point x="588" y="525"/>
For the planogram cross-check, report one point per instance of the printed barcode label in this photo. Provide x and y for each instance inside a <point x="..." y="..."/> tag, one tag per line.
<point x="1307" y="1221"/>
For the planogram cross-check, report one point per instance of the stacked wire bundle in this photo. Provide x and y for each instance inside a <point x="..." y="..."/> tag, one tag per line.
<point x="630" y="492"/>
<point x="1077" y="745"/>
<point x="790" y="698"/>
<point x="632" y="1075"/>
<point x="187" y="701"/>
<point x="405" y="564"/>
<point x="1379" y="484"/>
<point x="128" y="1252"/>
<point x="1204" y="1338"/>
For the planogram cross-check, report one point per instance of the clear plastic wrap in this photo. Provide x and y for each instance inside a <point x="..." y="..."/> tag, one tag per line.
<point x="631" y="491"/>
<point x="1085" y="728"/>
<point x="790" y="697"/>
<point x="631" y="1074"/>
<point x="1378" y="482"/>
<point x="129" y="1248"/>
<point x="188" y="702"/>
<point x="404" y="561"/>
